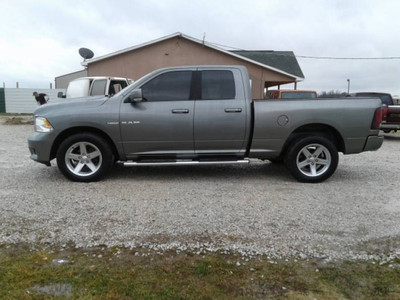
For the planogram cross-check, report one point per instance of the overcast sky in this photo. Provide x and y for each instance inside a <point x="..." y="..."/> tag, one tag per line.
<point x="39" y="39"/>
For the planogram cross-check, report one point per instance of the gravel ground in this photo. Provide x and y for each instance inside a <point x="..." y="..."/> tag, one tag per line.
<point x="253" y="209"/>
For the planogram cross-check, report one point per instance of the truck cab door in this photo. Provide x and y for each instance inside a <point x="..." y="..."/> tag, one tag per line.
<point x="162" y="124"/>
<point x="221" y="114"/>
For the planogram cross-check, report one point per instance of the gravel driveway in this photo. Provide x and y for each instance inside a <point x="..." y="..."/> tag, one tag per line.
<point x="257" y="208"/>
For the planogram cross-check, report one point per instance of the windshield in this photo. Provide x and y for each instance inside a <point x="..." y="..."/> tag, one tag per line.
<point x="298" y="95"/>
<point x="78" y="88"/>
<point x="385" y="98"/>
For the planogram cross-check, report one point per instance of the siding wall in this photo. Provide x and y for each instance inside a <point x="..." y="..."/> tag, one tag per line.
<point x="62" y="81"/>
<point x="23" y="101"/>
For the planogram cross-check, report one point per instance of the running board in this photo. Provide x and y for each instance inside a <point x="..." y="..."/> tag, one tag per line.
<point x="189" y="162"/>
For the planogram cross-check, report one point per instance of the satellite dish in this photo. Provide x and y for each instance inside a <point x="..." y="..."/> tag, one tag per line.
<point x="86" y="53"/>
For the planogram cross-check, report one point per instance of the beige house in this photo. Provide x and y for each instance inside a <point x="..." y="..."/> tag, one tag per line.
<point x="266" y="68"/>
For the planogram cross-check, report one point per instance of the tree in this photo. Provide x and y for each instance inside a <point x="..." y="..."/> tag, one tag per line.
<point x="332" y="94"/>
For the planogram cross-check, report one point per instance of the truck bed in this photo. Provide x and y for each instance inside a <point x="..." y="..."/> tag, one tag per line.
<point x="276" y="120"/>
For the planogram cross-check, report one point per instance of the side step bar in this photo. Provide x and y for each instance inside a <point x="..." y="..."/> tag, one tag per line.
<point x="183" y="162"/>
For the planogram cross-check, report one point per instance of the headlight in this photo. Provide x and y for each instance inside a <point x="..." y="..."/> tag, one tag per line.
<point x="42" y="125"/>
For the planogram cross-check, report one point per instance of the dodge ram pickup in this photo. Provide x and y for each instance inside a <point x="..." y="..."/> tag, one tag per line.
<point x="201" y="115"/>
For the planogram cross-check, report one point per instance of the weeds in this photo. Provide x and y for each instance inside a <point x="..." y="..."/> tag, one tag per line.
<point x="119" y="273"/>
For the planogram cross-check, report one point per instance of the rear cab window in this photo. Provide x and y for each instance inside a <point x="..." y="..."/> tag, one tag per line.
<point x="298" y="95"/>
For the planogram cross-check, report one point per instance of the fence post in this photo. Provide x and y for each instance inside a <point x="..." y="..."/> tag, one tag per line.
<point x="2" y="101"/>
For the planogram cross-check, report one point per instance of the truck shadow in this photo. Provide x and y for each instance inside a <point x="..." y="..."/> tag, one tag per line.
<point x="392" y="136"/>
<point x="216" y="172"/>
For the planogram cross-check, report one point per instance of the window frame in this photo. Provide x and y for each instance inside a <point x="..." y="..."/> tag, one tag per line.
<point x="200" y="85"/>
<point x="191" y="96"/>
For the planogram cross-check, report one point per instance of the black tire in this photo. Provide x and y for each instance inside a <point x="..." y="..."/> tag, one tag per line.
<point x="312" y="159"/>
<point x="84" y="157"/>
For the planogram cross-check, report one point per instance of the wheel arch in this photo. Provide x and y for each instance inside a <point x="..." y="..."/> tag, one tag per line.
<point x="324" y="130"/>
<point x="74" y="130"/>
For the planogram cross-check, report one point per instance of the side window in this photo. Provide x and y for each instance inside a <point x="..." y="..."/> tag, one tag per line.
<point x="98" y="87"/>
<point x="218" y="84"/>
<point x="168" y="87"/>
<point x="116" y="86"/>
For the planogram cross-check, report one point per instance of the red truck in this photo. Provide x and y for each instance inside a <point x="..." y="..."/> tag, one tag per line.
<point x="391" y="115"/>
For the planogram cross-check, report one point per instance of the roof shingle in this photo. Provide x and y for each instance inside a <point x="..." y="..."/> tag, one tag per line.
<point x="282" y="60"/>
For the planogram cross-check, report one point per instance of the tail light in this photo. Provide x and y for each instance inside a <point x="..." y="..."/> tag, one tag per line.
<point x="376" y="122"/>
<point x="385" y="111"/>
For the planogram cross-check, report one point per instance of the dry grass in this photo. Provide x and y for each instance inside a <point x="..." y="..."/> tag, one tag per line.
<point x="17" y="120"/>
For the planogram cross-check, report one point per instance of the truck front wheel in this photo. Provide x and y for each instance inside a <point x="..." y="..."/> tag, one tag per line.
<point x="84" y="157"/>
<point x="312" y="159"/>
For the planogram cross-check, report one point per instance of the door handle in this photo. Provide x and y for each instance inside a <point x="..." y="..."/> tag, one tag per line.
<point x="233" y="110"/>
<point x="180" y="111"/>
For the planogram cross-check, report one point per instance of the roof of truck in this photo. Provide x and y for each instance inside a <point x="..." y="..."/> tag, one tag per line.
<point x="293" y="91"/>
<point x="100" y="77"/>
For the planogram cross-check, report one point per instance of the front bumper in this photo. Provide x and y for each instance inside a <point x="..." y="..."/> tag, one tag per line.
<point x="40" y="144"/>
<point x="374" y="142"/>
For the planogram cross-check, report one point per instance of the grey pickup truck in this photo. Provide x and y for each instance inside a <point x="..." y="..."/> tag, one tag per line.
<point x="201" y="115"/>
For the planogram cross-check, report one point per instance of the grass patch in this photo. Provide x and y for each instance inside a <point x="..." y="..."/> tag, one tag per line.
<point x="16" y="119"/>
<point x="120" y="273"/>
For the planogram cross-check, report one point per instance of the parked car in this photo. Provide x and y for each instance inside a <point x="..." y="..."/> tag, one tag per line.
<point x="291" y="94"/>
<point x="95" y="86"/>
<point x="201" y="115"/>
<point x="391" y="118"/>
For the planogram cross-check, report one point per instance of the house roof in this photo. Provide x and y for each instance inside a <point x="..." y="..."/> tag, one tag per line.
<point x="282" y="60"/>
<point x="269" y="60"/>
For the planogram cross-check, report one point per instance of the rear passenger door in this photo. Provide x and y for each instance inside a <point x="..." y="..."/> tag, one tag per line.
<point x="220" y="113"/>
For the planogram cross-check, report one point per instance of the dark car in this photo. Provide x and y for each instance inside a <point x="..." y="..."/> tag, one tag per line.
<point x="385" y="97"/>
<point x="391" y="112"/>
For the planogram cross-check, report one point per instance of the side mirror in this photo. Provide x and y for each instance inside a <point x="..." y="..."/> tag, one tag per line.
<point x="136" y="96"/>
<point x="60" y="95"/>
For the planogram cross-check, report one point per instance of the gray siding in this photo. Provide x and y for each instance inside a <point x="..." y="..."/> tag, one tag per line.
<point x="62" y="81"/>
<point x="23" y="101"/>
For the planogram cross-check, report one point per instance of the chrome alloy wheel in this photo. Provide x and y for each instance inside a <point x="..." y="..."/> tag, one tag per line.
<point x="83" y="159"/>
<point x="313" y="160"/>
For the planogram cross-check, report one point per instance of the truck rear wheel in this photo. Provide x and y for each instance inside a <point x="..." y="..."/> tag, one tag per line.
<point x="312" y="159"/>
<point x="84" y="157"/>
